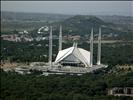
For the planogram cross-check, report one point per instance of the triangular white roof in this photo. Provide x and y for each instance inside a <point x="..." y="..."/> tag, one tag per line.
<point x="74" y="54"/>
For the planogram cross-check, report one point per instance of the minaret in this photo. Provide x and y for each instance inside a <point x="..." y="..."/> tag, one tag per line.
<point x="75" y="44"/>
<point x="60" y="38"/>
<point x="50" y="47"/>
<point x="99" y="48"/>
<point x="91" y="48"/>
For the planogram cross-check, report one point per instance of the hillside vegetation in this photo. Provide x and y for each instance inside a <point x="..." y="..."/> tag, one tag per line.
<point x="91" y="86"/>
<point x="76" y="24"/>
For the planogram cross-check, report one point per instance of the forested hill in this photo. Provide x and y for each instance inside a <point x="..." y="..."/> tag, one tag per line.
<point x="72" y="24"/>
<point x="82" y="24"/>
<point x="84" y="19"/>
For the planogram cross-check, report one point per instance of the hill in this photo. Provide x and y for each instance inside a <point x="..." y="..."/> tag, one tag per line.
<point x="82" y="24"/>
<point x="72" y="25"/>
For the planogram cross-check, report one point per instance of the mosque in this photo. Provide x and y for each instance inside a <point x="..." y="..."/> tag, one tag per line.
<point x="72" y="60"/>
<point x="74" y="56"/>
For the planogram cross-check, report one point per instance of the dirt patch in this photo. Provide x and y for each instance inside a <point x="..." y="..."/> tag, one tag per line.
<point x="8" y="65"/>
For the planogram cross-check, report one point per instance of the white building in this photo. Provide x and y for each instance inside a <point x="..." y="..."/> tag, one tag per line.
<point x="73" y="56"/>
<point x="73" y="60"/>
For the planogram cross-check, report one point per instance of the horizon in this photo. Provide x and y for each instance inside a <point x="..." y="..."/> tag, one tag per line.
<point x="63" y="14"/>
<point x="109" y="8"/>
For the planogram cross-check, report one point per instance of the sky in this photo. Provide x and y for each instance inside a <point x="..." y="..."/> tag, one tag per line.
<point x="71" y="7"/>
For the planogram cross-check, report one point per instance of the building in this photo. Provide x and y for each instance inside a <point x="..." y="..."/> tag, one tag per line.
<point x="12" y="37"/>
<point x="72" y="60"/>
<point x="121" y="91"/>
<point x="74" y="56"/>
<point x="70" y="37"/>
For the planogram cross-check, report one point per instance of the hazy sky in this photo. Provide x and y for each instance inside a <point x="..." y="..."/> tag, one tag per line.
<point x="71" y="7"/>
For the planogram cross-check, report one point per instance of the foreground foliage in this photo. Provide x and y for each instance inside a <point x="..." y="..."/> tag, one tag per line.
<point x="91" y="86"/>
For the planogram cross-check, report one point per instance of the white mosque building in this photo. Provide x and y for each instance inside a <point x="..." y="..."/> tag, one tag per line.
<point x="74" y="56"/>
<point x="72" y="60"/>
